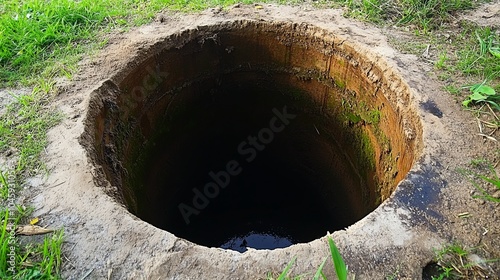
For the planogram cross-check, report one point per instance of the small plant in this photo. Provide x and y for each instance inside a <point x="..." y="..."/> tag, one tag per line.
<point x="32" y="261"/>
<point x="441" y="62"/>
<point x="394" y="275"/>
<point x="426" y="15"/>
<point x="370" y="10"/>
<point x="23" y="129"/>
<point x="493" y="181"/>
<point x="452" y="89"/>
<point x="338" y="262"/>
<point x="483" y="93"/>
<point x="488" y="45"/>
<point x="4" y="187"/>
<point x="478" y="162"/>
<point x="284" y="274"/>
<point x="480" y="57"/>
<point x="431" y="13"/>
<point x="457" y="262"/>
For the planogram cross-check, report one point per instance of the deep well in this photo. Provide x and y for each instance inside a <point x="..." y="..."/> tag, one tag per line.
<point x="252" y="133"/>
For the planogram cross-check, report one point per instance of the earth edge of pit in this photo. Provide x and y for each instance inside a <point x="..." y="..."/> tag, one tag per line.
<point x="104" y="238"/>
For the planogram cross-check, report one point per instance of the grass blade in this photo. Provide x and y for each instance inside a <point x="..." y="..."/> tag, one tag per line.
<point x="340" y="267"/>
<point x="4" y="242"/>
<point x="287" y="268"/>
<point x="320" y="270"/>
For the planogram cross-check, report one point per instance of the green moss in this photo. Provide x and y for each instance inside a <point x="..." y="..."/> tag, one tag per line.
<point x="373" y="117"/>
<point x="357" y="116"/>
<point x="339" y="83"/>
<point x="366" y="152"/>
<point x="298" y="95"/>
<point x="353" y="118"/>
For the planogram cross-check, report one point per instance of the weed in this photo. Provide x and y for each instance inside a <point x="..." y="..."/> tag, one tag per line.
<point x="457" y="262"/>
<point x="478" y="162"/>
<point x="338" y="262"/>
<point x="4" y="187"/>
<point x="31" y="261"/>
<point x="426" y="15"/>
<point x="51" y="254"/>
<point x="4" y="242"/>
<point x="283" y="274"/>
<point x="370" y="10"/>
<point x="23" y="129"/>
<point x="441" y="62"/>
<point x="482" y="93"/>
<point x="47" y="37"/>
<point x="492" y="181"/>
<point x="452" y="89"/>
<point x="340" y="266"/>
<point x="429" y="14"/>
<point x="481" y="57"/>
<point x="394" y="275"/>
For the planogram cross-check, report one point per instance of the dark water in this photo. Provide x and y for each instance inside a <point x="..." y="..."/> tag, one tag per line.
<point x="431" y="107"/>
<point x="257" y="241"/>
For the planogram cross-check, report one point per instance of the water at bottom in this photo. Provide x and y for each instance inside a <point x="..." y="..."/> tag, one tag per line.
<point x="257" y="241"/>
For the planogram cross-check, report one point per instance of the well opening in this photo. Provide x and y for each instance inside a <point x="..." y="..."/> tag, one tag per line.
<point x="251" y="134"/>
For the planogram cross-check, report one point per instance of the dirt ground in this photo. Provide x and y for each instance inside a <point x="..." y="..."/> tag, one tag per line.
<point x="486" y="15"/>
<point x="104" y="241"/>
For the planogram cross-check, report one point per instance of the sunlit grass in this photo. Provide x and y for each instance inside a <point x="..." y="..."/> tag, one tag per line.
<point x="424" y="15"/>
<point x="23" y="130"/>
<point x="337" y="261"/>
<point x="36" y="35"/>
<point x="34" y="261"/>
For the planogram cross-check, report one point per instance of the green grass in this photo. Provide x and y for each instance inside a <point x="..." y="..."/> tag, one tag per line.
<point x="4" y="187"/>
<point x="474" y="52"/>
<point x="476" y="56"/>
<point x="430" y="14"/>
<point x="441" y="62"/>
<point x="34" y="34"/>
<point x="485" y="184"/>
<point x="25" y="258"/>
<point x="23" y="130"/>
<point x="422" y="15"/>
<point x="455" y="262"/>
<point x="369" y="10"/>
<point x="48" y="37"/>
<point x="470" y="64"/>
<point x="338" y="263"/>
<point x="32" y="261"/>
